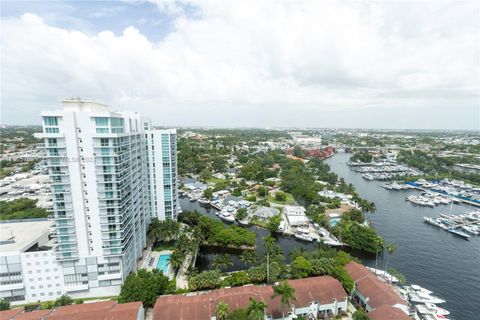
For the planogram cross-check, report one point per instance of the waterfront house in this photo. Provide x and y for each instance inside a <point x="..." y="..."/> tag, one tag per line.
<point x="370" y="293"/>
<point x="316" y="297"/>
<point x="296" y="216"/>
<point x="264" y="213"/>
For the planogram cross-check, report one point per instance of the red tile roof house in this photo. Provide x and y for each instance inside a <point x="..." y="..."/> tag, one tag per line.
<point x="315" y="296"/>
<point x="105" y="310"/>
<point x="373" y="294"/>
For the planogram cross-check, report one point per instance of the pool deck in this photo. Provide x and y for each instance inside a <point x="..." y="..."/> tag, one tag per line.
<point x="156" y="255"/>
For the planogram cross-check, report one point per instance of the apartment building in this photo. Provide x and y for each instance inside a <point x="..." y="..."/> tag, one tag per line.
<point x="102" y="204"/>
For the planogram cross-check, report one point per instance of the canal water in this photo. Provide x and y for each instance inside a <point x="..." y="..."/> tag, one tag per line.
<point x="427" y="256"/>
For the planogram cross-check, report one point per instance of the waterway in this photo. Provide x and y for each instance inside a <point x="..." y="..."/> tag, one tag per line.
<point x="427" y="256"/>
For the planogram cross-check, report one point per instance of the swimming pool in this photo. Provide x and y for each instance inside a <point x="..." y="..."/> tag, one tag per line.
<point x="333" y="222"/>
<point x="162" y="263"/>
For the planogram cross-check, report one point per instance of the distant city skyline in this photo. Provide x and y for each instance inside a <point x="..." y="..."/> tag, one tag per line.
<point x="398" y="65"/>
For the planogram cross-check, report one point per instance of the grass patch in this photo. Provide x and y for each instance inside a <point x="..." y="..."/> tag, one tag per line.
<point x="288" y="201"/>
<point x="215" y="180"/>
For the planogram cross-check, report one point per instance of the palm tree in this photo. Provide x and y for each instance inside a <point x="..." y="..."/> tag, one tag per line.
<point x="154" y="232"/>
<point x="222" y="311"/>
<point x="256" y="309"/>
<point x="297" y="252"/>
<point x="221" y="261"/>
<point x="270" y="248"/>
<point x="391" y="248"/>
<point x="248" y="257"/>
<point x="176" y="260"/>
<point x="286" y="294"/>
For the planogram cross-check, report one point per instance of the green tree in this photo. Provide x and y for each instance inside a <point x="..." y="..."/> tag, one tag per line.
<point x="301" y="267"/>
<point x="221" y="261"/>
<point x="298" y="152"/>
<point x="241" y="214"/>
<point x="4" y="304"/>
<point x="391" y="248"/>
<point x="256" y="309"/>
<point x="272" y="249"/>
<point x="63" y="300"/>
<point x="205" y="280"/>
<point x="280" y="196"/>
<point x="208" y="194"/>
<point x="143" y="286"/>
<point x="205" y="174"/>
<point x="262" y="191"/>
<point x="248" y="257"/>
<point x="274" y="223"/>
<point x="236" y="192"/>
<point x="360" y="315"/>
<point x="176" y="259"/>
<point x="222" y="311"/>
<point x="286" y="294"/>
<point x="238" y="314"/>
<point x="22" y="208"/>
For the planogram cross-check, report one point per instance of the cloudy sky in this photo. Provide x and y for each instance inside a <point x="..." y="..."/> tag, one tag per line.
<point x="247" y="63"/>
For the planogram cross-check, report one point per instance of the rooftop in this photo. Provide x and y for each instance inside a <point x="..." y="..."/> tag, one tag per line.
<point x="377" y="292"/>
<point x="19" y="236"/>
<point x="105" y="310"/>
<point x="386" y="312"/>
<point x="202" y="305"/>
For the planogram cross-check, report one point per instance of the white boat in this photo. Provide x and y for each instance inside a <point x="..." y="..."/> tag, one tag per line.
<point x="458" y="233"/>
<point x="368" y="176"/>
<point x="224" y="215"/>
<point x="472" y="229"/>
<point x="430" y="311"/>
<point x="418" y="288"/>
<point x="303" y="237"/>
<point x="203" y="201"/>
<point x="436" y="310"/>
<point x="420" y="201"/>
<point x="434" y="222"/>
<point x="423" y="297"/>
<point x="383" y="274"/>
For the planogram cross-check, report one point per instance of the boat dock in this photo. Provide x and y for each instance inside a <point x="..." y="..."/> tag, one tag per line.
<point x="463" y="225"/>
<point x="455" y="198"/>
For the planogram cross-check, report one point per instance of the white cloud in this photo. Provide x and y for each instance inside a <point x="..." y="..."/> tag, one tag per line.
<point x="304" y="57"/>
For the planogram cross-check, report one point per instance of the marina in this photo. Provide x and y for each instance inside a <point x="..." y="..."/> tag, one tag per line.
<point x="426" y="255"/>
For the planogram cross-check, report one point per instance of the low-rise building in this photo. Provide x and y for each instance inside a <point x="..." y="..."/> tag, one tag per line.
<point x="105" y="310"/>
<point x="264" y="213"/>
<point x="372" y="294"/>
<point x="296" y="216"/>
<point x="316" y="297"/>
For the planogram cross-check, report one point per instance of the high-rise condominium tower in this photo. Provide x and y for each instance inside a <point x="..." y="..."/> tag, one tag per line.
<point x="162" y="170"/>
<point x="98" y="160"/>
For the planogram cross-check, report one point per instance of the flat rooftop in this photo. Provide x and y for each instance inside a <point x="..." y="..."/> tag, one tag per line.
<point x="19" y="236"/>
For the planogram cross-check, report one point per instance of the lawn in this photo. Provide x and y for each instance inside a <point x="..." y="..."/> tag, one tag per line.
<point x="215" y="180"/>
<point x="289" y="200"/>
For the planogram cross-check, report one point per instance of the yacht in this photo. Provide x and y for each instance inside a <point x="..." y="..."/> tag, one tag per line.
<point x="434" y="222"/>
<point x="203" y="201"/>
<point x="383" y="274"/>
<point x="430" y="311"/>
<point x="434" y="309"/>
<point x="424" y="297"/>
<point x="472" y="229"/>
<point x="226" y="216"/>
<point x="387" y="186"/>
<point x="304" y="237"/>
<point x="420" y="201"/>
<point x="368" y="176"/>
<point x="458" y="233"/>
